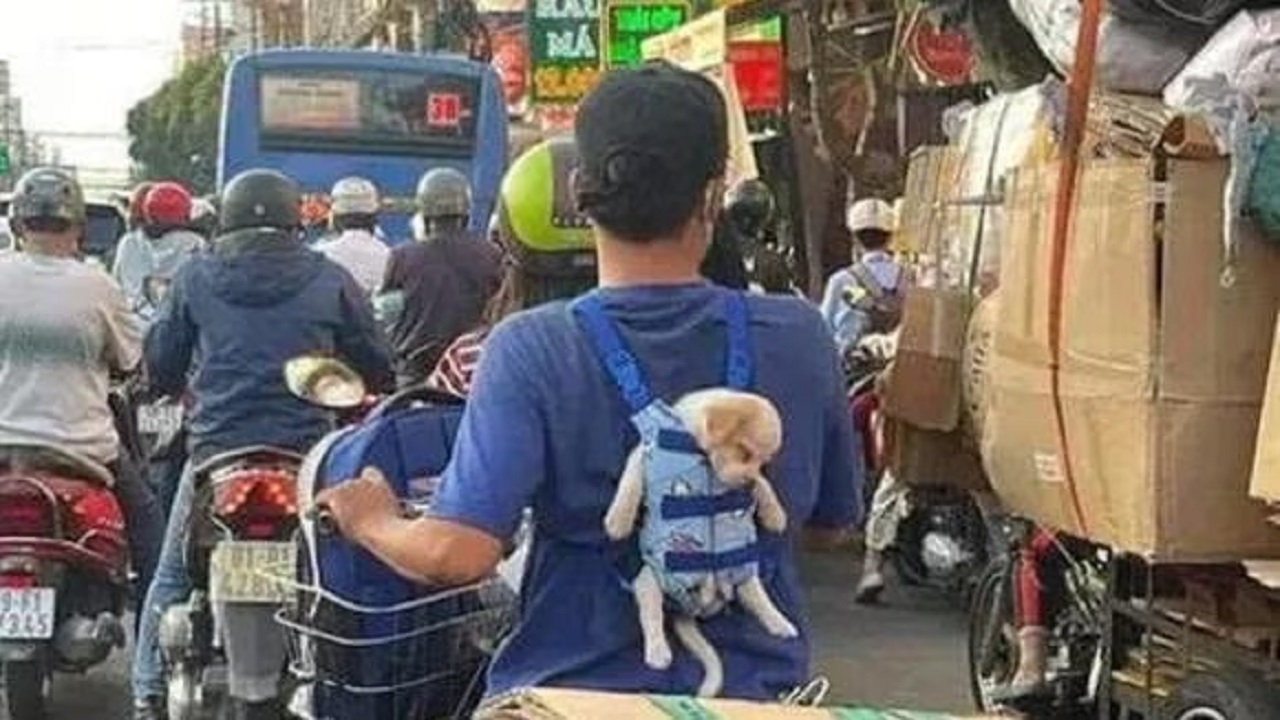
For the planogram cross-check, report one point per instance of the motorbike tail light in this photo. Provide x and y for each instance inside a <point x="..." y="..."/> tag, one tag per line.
<point x="257" y="502"/>
<point x="26" y="512"/>
<point x="96" y="518"/>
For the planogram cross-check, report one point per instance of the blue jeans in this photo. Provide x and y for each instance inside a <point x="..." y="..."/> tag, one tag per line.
<point x="171" y="584"/>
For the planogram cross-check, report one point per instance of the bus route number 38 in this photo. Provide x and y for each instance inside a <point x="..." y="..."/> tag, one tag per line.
<point x="444" y="110"/>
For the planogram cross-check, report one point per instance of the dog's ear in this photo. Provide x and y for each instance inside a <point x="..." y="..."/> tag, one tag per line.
<point x="723" y="421"/>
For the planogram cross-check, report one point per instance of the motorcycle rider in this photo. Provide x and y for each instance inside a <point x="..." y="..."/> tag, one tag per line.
<point x="748" y="209"/>
<point x="860" y="298"/>
<point x="353" y="208"/>
<point x="545" y="426"/>
<point x="441" y="283"/>
<point x="550" y="253"/>
<point x="65" y="328"/>
<point x="260" y="298"/>
<point x="155" y="253"/>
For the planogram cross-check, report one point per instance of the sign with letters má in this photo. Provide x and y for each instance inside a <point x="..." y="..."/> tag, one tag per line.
<point x="627" y="23"/>
<point x="564" y="39"/>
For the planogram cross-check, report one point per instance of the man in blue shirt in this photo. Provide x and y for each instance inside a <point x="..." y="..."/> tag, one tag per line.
<point x="545" y="426"/>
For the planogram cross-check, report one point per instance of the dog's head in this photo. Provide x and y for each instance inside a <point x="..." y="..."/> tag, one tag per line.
<point x="740" y="432"/>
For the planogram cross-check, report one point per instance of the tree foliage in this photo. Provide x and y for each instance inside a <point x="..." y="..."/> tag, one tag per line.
<point x="173" y="134"/>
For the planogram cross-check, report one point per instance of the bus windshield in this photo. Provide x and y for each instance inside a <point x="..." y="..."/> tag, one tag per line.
<point x="371" y="111"/>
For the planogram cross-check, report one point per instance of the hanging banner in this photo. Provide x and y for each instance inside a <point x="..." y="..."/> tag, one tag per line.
<point x="699" y="45"/>
<point x="510" y="44"/>
<point x="627" y="23"/>
<point x="563" y="49"/>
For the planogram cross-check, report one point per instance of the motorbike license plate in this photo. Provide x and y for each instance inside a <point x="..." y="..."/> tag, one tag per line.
<point x="242" y="571"/>
<point x="159" y="418"/>
<point x="26" y="613"/>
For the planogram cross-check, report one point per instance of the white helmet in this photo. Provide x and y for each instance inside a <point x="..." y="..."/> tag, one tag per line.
<point x="353" y="196"/>
<point x="871" y="214"/>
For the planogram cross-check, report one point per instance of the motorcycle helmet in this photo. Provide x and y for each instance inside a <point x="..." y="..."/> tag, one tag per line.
<point x="47" y="194"/>
<point x="540" y="223"/>
<point x="749" y="205"/>
<point x="167" y="205"/>
<point x="442" y="193"/>
<point x="354" y="196"/>
<point x="260" y="199"/>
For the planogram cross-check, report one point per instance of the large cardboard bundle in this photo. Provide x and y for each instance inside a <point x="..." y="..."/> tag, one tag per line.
<point x="1163" y="364"/>
<point x="1266" y="463"/>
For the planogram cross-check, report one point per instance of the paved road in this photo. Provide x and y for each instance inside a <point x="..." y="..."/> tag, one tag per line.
<point x="908" y="653"/>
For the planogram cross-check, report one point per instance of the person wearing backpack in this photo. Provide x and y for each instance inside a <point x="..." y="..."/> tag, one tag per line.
<point x="547" y="427"/>
<point x="865" y="297"/>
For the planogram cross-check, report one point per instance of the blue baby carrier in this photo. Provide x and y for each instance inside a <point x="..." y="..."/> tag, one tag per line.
<point x="371" y="643"/>
<point x="693" y="527"/>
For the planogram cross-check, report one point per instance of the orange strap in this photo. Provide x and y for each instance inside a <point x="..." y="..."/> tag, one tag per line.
<point x="1079" y="86"/>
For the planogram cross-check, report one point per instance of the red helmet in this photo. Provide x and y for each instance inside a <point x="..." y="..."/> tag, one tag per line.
<point x="135" y="202"/>
<point x="167" y="204"/>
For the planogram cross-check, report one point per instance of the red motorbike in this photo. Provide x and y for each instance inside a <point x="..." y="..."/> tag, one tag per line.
<point x="64" y="571"/>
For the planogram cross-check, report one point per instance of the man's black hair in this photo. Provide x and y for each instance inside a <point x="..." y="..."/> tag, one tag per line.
<point x="873" y="239"/>
<point x="650" y="140"/>
<point x="355" y="221"/>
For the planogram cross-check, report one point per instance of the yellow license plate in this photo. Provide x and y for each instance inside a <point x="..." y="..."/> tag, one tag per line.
<point x="244" y="571"/>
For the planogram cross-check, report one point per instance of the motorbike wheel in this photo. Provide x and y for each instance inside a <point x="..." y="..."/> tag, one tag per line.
<point x="1227" y="694"/>
<point x="27" y="689"/>
<point x="993" y="638"/>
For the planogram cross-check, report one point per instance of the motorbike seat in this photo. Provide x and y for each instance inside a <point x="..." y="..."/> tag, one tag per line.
<point x="50" y="459"/>
<point x="252" y="454"/>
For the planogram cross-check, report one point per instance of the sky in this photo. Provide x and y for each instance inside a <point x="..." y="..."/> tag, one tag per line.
<point x="79" y="65"/>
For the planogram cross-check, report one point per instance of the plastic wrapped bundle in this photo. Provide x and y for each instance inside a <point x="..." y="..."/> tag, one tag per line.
<point x="1207" y="13"/>
<point x="1137" y="57"/>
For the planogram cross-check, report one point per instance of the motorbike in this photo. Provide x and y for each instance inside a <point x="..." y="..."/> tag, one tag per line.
<point x="64" y="571"/>
<point x="222" y="642"/>
<point x="941" y="537"/>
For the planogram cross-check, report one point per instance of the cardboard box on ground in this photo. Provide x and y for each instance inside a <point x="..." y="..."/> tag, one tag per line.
<point x="1266" y="465"/>
<point x="1162" y="366"/>
<point x="557" y="704"/>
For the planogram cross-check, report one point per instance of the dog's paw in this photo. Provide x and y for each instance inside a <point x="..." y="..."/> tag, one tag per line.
<point x="658" y="655"/>
<point x="618" y="525"/>
<point x="781" y="627"/>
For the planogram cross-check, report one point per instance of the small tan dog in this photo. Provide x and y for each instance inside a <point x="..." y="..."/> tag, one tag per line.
<point x="738" y="433"/>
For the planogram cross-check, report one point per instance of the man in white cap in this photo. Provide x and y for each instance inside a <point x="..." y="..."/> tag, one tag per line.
<point x="865" y="297"/>
<point x="353" y="209"/>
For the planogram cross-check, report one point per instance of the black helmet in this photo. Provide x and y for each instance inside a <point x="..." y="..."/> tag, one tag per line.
<point x="444" y="192"/>
<point x="749" y="205"/>
<point x="260" y="199"/>
<point x="47" y="194"/>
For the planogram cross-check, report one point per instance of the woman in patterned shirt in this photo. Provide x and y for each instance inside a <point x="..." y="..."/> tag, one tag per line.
<point x="549" y="252"/>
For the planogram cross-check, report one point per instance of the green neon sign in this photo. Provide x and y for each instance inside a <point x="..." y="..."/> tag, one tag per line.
<point x="626" y="24"/>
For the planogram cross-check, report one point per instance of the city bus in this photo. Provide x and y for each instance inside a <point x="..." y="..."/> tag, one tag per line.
<point x="321" y="115"/>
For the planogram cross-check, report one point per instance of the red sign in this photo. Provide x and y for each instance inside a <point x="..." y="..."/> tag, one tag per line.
<point x="444" y="110"/>
<point x="757" y="70"/>
<point x="945" y="56"/>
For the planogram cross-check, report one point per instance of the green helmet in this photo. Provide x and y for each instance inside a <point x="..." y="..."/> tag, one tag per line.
<point x="444" y="192"/>
<point x="540" y="221"/>
<point x="48" y="194"/>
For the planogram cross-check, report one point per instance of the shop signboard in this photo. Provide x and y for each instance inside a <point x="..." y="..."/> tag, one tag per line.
<point x="755" y="52"/>
<point x="564" y="50"/>
<point x="510" y="44"/>
<point x="627" y="23"/>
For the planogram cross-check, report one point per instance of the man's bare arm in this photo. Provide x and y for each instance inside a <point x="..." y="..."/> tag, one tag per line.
<point x="433" y="551"/>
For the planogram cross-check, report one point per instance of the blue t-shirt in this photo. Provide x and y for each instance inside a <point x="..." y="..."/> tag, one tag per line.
<point x="545" y="427"/>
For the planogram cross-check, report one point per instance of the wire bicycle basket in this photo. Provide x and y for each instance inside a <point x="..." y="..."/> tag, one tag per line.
<point x="421" y="659"/>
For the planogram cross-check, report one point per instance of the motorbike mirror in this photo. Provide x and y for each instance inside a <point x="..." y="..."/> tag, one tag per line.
<point x="324" y="381"/>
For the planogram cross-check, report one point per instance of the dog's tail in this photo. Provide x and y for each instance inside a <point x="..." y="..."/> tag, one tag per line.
<point x="692" y="638"/>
